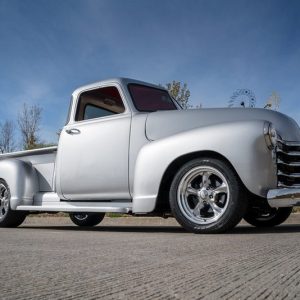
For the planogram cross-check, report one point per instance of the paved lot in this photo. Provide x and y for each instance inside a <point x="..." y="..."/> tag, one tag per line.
<point x="143" y="258"/>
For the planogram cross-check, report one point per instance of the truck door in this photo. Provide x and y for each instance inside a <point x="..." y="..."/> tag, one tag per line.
<point x="93" y="148"/>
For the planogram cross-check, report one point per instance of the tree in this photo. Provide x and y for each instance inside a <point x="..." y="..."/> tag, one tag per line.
<point x="273" y="102"/>
<point x="179" y="93"/>
<point x="7" y="142"/>
<point x="29" y="123"/>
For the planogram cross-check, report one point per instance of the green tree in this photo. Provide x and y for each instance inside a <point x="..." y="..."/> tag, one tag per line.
<point x="180" y="93"/>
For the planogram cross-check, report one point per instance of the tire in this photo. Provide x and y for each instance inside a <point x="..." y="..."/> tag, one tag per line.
<point x="8" y="217"/>
<point x="267" y="216"/>
<point x="87" y="219"/>
<point x="206" y="196"/>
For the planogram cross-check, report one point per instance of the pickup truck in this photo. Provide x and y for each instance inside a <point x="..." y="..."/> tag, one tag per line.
<point x="128" y="147"/>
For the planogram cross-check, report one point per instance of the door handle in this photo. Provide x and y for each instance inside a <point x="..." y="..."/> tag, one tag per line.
<point x="73" y="131"/>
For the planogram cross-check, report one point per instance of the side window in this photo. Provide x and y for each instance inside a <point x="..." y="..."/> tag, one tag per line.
<point x="99" y="103"/>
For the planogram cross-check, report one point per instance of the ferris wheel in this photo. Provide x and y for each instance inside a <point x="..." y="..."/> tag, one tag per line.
<point x="242" y="98"/>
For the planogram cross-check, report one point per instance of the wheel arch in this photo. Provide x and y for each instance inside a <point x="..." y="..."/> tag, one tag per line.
<point x="162" y="203"/>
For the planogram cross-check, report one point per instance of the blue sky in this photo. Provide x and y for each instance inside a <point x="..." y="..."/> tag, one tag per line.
<point x="49" y="48"/>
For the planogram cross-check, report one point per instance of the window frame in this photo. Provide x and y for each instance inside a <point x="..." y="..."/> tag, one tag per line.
<point x="123" y="99"/>
<point x="69" y="114"/>
<point x="150" y="87"/>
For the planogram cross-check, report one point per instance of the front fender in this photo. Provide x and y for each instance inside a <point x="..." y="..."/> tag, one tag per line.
<point x="241" y="143"/>
<point x="22" y="180"/>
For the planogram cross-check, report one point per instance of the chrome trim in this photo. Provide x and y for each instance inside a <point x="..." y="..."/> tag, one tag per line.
<point x="293" y="175"/>
<point x="197" y="195"/>
<point x="289" y="153"/>
<point x="288" y="164"/>
<point x="270" y="134"/>
<point x="282" y="185"/>
<point x="291" y="164"/>
<point x="285" y="197"/>
<point x="4" y="201"/>
<point x="291" y="144"/>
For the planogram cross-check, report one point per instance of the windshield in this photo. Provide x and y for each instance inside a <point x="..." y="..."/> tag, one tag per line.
<point x="150" y="99"/>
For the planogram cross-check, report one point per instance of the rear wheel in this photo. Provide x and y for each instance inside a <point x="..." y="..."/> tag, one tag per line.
<point x="266" y="216"/>
<point x="87" y="219"/>
<point x="8" y="217"/>
<point x="206" y="196"/>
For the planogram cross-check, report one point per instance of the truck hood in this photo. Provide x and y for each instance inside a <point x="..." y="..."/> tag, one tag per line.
<point x="162" y="124"/>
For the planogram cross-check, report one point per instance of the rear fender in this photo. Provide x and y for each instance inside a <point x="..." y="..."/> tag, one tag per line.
<point x="22" y="180"/>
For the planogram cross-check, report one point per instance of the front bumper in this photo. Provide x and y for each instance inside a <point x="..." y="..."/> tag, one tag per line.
<point x="284" y="197"/>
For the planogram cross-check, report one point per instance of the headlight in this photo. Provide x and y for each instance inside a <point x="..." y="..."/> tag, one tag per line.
<point x="271" y="136"/>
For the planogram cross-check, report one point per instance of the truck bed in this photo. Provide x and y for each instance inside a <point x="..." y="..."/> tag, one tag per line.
<point x="43" y="160"/>
<point x="26" y="153"/>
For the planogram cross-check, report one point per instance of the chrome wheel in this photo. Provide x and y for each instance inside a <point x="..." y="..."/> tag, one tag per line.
<point x="81" y="216"/>
<point x="4" y="201"/>
<point x="86" y="219"/>
<point x="203" y="195"/>
<point x="266" y="215"/>
<point x="260" y="214"/>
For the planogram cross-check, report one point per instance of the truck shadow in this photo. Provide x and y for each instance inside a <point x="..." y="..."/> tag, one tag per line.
<point x="162" y="229"/>
<point x="241" y="229"/>
<point x="284" y="228"/>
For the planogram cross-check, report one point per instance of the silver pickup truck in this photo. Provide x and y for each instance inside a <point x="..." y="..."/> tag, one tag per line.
<point x="128" y="147"/>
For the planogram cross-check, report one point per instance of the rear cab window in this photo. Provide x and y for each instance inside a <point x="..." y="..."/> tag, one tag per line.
<point x="149" y="99"/>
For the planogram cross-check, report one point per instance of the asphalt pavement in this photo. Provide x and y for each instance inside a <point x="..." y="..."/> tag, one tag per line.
<point x="147" y="258"/>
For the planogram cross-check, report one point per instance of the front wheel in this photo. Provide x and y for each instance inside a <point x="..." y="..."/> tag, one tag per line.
<point x="87" y="219"/>
<point x="206" y="196"/>
<point x="267" y="216"/>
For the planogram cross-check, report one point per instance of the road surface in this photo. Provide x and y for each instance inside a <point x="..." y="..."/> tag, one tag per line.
<point x="147" y="258"/>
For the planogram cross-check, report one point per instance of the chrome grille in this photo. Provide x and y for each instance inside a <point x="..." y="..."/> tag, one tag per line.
<point x="288" y="164"/>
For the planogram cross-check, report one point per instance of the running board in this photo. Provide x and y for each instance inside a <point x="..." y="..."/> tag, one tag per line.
<point x="49" y="202"/>
<point x="79" y="207"/>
